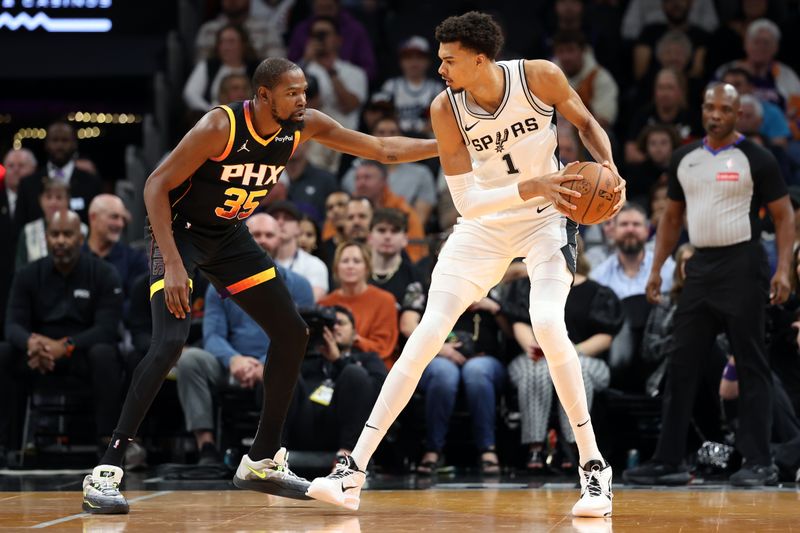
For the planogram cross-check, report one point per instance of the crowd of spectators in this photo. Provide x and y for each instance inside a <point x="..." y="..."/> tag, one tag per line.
<point x="362" y="238"/>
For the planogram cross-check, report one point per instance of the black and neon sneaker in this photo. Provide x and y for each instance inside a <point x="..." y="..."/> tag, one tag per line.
<point x="271" y="476"/>
<point x="101" y="493"/>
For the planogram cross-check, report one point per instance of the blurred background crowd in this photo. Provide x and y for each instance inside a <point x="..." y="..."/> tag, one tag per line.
<point x="82" y="124"/>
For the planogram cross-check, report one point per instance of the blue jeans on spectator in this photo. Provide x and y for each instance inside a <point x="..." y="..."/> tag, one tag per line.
<point x="483" y="376"/>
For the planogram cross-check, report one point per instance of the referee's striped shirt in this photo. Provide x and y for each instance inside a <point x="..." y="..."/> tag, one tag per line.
<point x="724" y="189"/>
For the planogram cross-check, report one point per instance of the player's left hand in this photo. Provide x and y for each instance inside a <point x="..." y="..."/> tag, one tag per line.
<point x="621" y="188"/>
<point x="779" y="288"/>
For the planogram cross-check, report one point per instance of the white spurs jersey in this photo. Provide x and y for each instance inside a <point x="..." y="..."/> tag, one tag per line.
<point x="516" y="142"/>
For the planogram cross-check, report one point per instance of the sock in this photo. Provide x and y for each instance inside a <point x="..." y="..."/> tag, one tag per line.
<point x="115" y="452"/>
<point x="395" y="394"/>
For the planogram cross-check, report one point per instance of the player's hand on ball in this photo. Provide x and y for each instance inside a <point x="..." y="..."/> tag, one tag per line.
<point x="551" y="190"/>
<point x="621" y="188"/>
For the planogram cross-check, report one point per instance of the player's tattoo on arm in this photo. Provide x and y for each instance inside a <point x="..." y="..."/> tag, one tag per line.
<point x="391" y="157"/>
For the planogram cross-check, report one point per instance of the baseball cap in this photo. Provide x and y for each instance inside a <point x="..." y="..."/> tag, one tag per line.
<point x="284" y="206"/>
<point x="415" y="44"/>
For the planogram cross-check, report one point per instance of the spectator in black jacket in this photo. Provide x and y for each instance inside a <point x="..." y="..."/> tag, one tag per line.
<point x="338" y="385"/>
<point x="61" y="147"/>
<point x="63" y="316"/>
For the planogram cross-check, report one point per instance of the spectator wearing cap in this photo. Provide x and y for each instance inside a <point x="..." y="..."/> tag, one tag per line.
<point x="289" y="254"/>
<point x="371" y="181"/>
<point x="413" y="181"/>
<point x="355" y="46"/>
<point x="413" y="92"/>
<point x="593" y="83"/>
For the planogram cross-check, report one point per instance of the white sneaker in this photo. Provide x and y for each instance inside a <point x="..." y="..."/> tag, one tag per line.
<point x="596" y="493"/>
<point x="101" y="493"/>
<point x="271" y="476"/>
<point x="341" y="487"/>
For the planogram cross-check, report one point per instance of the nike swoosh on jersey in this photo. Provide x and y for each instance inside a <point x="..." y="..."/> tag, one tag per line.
<point x="262" y="475"/>
<point x="467" y="128"/>
<point x="540" y="209"/>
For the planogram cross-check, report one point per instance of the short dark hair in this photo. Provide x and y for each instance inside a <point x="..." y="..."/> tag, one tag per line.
<point x="269" y="72"/>
<point x="377" y="164"/>
<point x="739" y="71"/>
<point x="473" y="30"/>
<point x="360" y="199"/>
<point x="569" y="37"/>
<point x="333" y="22"/>
<point x="345" y="311"/>
<point x="386" y="215"/>
<point x="669" y="130"/>
<point x="633" y="206"/>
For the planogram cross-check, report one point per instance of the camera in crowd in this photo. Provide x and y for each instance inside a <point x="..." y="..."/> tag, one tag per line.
<point x="318" y="317"/>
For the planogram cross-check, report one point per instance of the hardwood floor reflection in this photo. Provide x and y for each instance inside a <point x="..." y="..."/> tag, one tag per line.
<point x="451" y="511"/>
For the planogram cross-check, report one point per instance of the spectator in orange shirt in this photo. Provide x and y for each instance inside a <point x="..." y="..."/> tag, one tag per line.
<point x="371" y="183"/>
<point x="374" y="309"/>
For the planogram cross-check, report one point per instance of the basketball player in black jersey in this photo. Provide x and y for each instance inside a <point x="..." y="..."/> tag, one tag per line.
<point x="197" y="200"/>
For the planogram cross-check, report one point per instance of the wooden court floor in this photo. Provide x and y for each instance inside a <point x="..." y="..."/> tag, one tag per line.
<point x="453" y="511"/>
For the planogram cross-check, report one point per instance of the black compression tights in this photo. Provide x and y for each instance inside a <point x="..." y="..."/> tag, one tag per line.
<point x="271" y="306"/>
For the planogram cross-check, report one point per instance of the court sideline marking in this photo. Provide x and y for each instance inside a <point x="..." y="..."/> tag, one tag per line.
<point x="81" y="515"/>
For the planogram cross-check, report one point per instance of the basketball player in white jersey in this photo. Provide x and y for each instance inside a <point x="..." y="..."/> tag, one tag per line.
<point x="495" y="125"/>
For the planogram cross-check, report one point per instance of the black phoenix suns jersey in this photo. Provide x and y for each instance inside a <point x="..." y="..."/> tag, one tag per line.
<point x="230" y="187"/>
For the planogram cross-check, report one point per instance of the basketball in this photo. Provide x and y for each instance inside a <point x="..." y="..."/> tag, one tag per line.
<point x="597" y="192"/>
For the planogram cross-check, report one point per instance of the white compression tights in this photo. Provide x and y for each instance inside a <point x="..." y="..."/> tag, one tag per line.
<point x="550" y="285"/>
<point x="440" y="316"/>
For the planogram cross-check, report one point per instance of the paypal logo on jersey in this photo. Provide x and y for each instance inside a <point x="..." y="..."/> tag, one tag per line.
<point x="284" y="138"/>
<point x="261" y="174"/>
<point x="499" y="138"/>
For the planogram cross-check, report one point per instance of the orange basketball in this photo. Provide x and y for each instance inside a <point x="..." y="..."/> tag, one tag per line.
<point x="597" y="192"/>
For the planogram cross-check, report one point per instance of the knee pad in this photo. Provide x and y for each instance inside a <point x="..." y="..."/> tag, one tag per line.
<point x="424" y="343"/>
<point x="547" y="320"/>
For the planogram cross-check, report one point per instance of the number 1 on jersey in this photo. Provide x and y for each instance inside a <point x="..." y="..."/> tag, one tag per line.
<point x="510" y="164"/>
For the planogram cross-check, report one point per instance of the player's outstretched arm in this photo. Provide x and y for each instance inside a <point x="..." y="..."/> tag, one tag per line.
<point x="209" y="138"/>
<point x="327" y="131"/>
<point x="554" y="89"/>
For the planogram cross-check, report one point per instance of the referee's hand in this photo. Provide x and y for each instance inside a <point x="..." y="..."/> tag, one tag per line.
<point x="653" y="288"/>
<point x="779" y="288"/>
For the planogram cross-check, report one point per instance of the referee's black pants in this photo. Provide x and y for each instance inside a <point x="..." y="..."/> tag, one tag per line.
<point x="726" y="289"/>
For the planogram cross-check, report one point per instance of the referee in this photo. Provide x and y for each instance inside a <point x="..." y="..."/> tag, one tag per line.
<point x="720" y="183"/>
